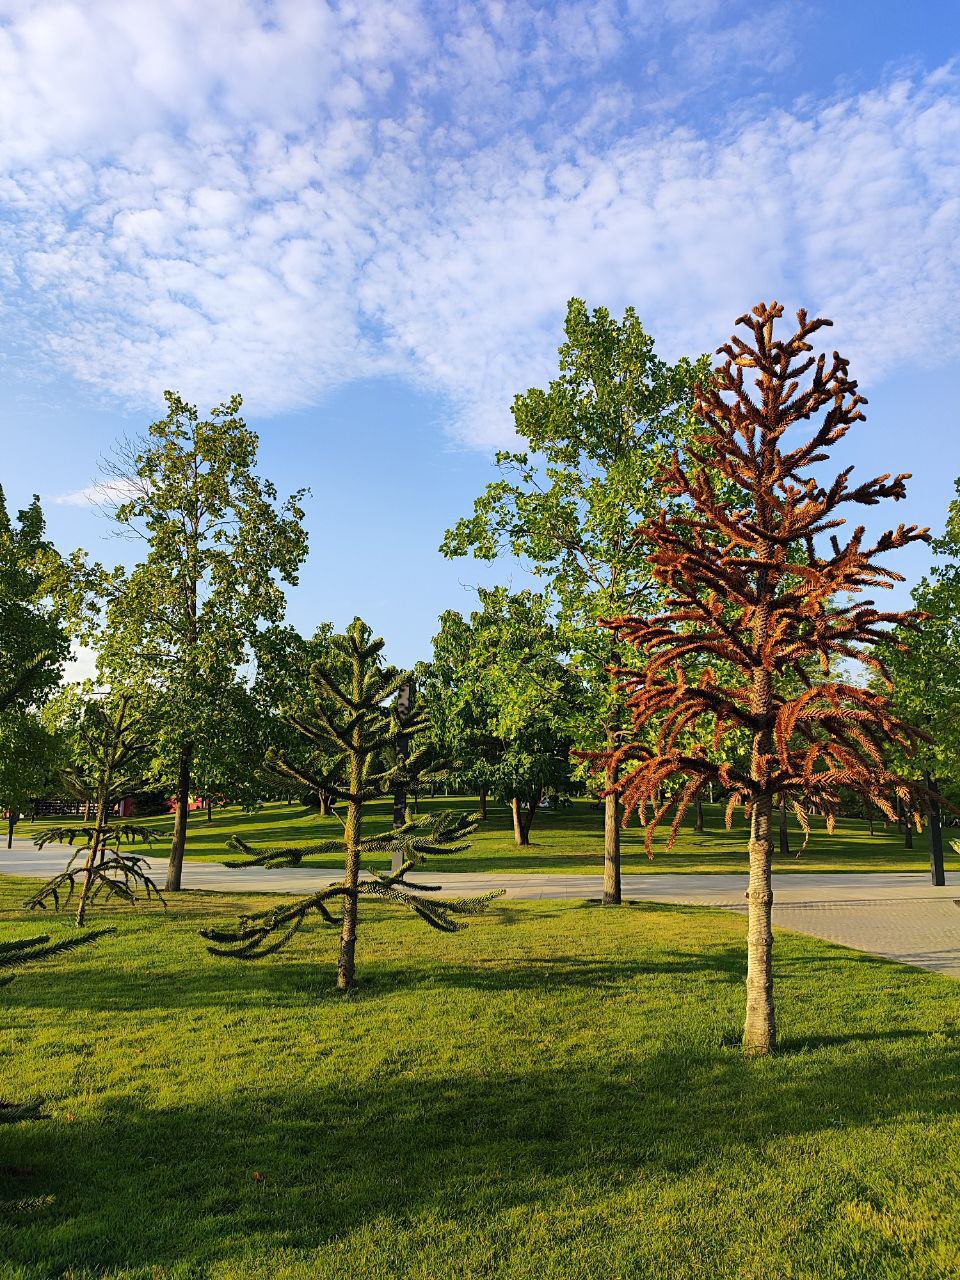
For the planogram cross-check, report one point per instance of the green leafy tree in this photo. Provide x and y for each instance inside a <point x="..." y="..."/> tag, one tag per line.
<point x="569" y="502"/>
<point x="33" y="646"/>
<point x="283" y="688"/>
<point x="356" y="721"/>
<point x="503" y="698"/>
<point x="110" y="755"/>
<point x="218" y="545"/>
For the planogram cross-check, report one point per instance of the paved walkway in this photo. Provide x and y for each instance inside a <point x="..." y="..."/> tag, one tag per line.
<point x="895" y="914"/>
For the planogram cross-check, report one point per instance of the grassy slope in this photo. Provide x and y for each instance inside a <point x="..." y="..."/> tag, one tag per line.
<point x="572" y="840"/>
<point x="552" y="1095"/>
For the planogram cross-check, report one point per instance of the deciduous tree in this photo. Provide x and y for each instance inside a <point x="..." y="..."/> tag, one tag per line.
<point x="568" y="503"/>
<point x="218" y="544"/>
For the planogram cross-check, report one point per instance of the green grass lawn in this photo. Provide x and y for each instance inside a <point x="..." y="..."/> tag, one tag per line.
<point x="554" y="1094"/>
<point x="570" y="839"/>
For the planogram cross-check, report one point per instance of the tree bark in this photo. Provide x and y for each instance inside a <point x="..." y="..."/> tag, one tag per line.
<point x="95" y="855"/>
<point x="179" y="842"/>
<point x="760" y="1030"/>
<point x="352" y="832"/>
<point x="907" y="832"/>
<point x="698" y="815"/>
<point x="209" y="809"/>
<point x="12" y="820"/>
<point x="937" y="875"/>
<point x="612" y="880"/>
<point x="482" y="804"/>
<point x="784" y="831"/>
<point x="522" y="822"/>
<point x="326" y="805"/>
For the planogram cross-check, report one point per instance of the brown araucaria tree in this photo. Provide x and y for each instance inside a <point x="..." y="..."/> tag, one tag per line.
<point x="764" y="611"/>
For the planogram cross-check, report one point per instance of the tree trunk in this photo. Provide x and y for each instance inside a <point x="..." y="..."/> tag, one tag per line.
<point x="86" y="811"/>
<point x="95" y="855"/>
<point x="907" y="832"/>
<point x="346" y="966"/>
<point x="937" y="875"/>
<point x="179" y="842"/>
<point x="11" y="823"/>
<point x="784" y="832"/>
<point x="612" y="880"/>
<point x="482" y="804"/>
<point x="760" y="1030"/>
<point x="209" y="809"/>
<point x="326" y="804"/>
<point x="522" y="822"/>
<point x="698" y="816"/>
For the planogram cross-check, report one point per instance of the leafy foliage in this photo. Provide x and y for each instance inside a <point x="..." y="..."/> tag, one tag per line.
<point x="219" y="544"/>
<point x="568" y="504"/>
<point x="501" y="698"/>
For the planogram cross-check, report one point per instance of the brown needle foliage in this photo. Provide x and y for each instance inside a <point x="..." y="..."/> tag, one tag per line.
<point x="767" y="605"/>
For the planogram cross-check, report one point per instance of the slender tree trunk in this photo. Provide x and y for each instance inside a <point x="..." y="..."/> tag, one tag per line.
<point x="482" y="804"/>
<point x="346" y="966"/>
<point x="907" y="832"/>
<point x="94" y="856"/>
<point x="86" y="811"/>
<point x="209" y="809"/>
<point x="784" y="831"/>
<point x="12" y="820"/>
<point x="612" y="812"/>
<point x="760" y="1030"/>
<point x="179" y="842"/>
<point x="698" y="816"/>
<point x="937" y="875"/>
<point x="760" y="1027"/>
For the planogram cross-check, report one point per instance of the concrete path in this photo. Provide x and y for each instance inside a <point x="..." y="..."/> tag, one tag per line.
<point x="895" y="914"/>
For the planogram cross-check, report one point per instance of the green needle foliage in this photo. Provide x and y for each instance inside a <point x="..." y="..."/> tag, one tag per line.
<point x="110" y="757"/>
<point x="354" y="726"/>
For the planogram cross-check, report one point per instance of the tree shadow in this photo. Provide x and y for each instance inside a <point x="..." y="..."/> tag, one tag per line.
<point x="302" y="1168"/>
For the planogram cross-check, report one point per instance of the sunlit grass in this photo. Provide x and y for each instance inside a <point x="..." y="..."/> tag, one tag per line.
<point x="555" y="1093"/>
<point x="570" y="839"/>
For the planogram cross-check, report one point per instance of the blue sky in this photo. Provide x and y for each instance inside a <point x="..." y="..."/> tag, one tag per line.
<point x="367" y="218"/>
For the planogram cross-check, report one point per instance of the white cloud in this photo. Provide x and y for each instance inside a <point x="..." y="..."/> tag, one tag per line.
<point x="100" y="494"/>
<point x="203" y="199"/>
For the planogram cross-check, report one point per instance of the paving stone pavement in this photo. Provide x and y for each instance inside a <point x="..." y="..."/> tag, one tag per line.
<point x="895" y="914"/>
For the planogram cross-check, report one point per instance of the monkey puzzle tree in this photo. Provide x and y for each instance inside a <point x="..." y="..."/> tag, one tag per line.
<point x="110" y="755"/>
<point x="218" y="544"/>
<point x="356" y="720"/>
<point x="568" y="504"/>
<point x="749" y="587"/>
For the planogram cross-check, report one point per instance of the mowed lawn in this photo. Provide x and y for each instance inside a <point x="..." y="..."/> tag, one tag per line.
<point x="554" y="1094"/>
<point x="569" y="839"/>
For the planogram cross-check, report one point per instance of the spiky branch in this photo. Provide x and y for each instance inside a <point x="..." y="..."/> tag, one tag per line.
<point x="766" y="605"/>
<point x="359" y="723"/>
<point x="110" y="755"/>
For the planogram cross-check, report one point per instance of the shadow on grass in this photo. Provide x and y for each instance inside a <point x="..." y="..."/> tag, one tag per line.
<point x="157" y="1186"/>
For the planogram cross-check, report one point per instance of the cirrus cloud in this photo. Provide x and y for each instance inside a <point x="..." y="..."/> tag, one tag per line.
<point x="279" y="198"/>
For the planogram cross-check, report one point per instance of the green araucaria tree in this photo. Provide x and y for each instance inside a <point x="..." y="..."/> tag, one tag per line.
<point x="568" y="504"/>
<point x="354" y="724"/>
<point x="110" y="757"/>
